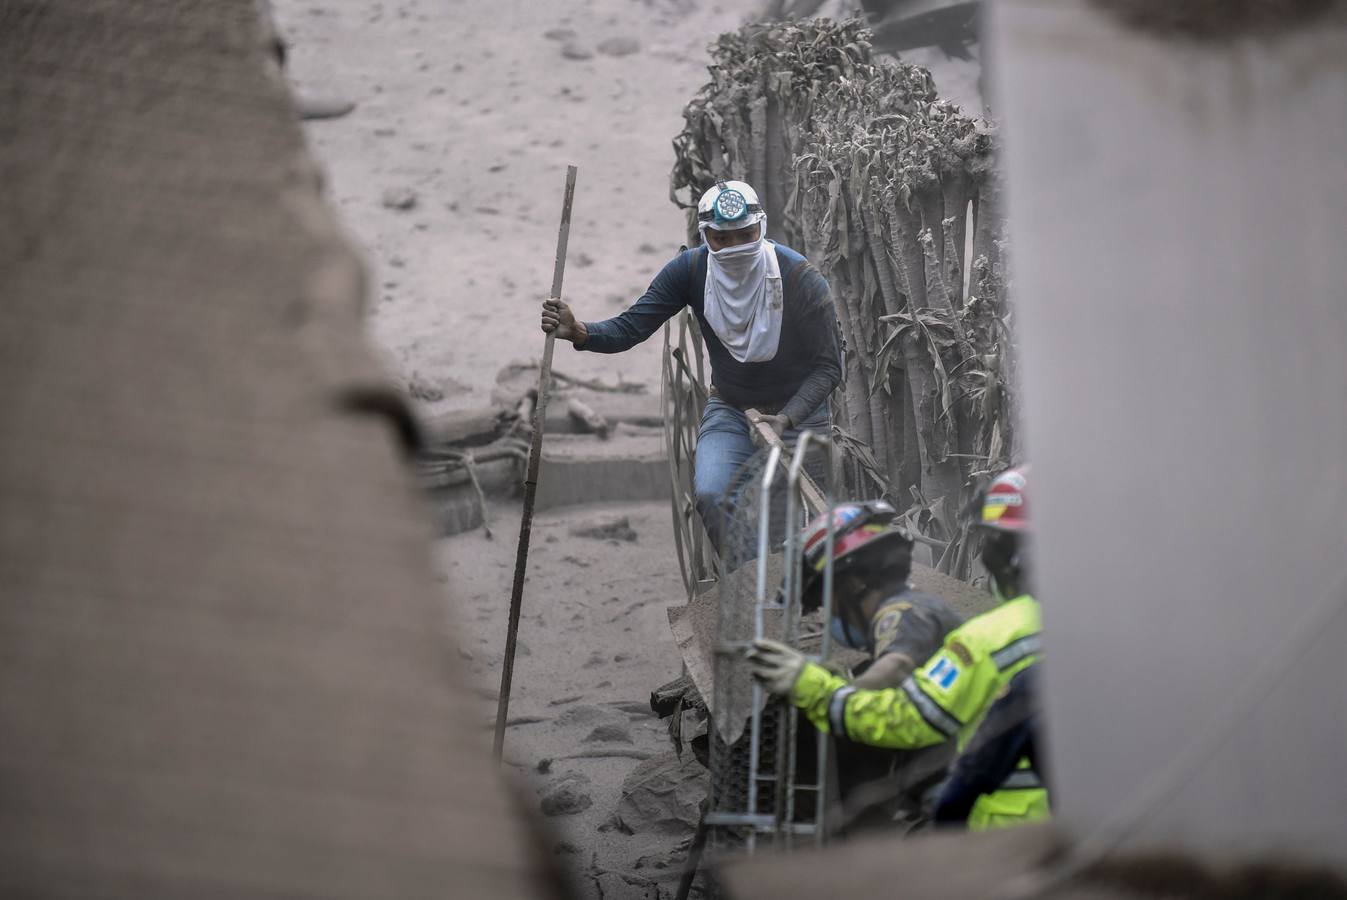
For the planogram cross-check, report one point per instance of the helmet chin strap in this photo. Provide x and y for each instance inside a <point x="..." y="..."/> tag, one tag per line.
<point x="844" y="631"/>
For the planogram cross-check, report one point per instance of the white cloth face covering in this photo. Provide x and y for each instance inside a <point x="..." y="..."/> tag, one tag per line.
<point x="743" y="301"/>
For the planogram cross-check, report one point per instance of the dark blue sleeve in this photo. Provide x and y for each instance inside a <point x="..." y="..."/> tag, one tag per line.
<point x="982" y="772"/>
<point x="666" y="295"/>
<point x="825" y="357"/>
<point x="1005" y="736"/>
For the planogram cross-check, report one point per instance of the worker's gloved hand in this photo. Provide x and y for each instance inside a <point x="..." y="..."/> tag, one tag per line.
<point x="557" y="317"/>
<point x="779" y="424"/>
<point x="775" y="665"/>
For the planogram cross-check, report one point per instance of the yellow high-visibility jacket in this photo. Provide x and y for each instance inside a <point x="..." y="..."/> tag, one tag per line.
<point x="944" y="699"/>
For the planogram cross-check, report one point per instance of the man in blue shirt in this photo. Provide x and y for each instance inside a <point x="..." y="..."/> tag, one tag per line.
<point x="768" y="323"/>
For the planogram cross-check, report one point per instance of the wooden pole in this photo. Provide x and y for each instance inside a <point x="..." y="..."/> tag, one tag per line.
<point x="814" y="498"/>
<point x="531" y="479"/>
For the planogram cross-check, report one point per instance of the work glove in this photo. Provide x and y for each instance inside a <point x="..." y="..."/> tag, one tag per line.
<point x="776" y="665"/>
<point x="778" y="424"/>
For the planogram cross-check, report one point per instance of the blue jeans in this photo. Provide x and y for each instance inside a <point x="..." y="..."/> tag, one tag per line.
<point x="724" y="444"/>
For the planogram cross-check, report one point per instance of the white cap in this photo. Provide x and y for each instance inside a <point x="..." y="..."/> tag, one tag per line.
<point x="729" y="205"/>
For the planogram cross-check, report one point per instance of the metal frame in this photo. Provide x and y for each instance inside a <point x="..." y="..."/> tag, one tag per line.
<point x="760" y="600"/>
<point x="800" y="491"/>
<point x="683" y="397"/>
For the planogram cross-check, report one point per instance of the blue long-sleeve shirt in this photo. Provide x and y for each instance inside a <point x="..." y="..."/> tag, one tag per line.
<point x="807" y="365"/>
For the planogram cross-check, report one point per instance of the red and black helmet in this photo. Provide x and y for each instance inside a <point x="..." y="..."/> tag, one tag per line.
<point x="1004" y="505"/>
<point x="859" y="529"/>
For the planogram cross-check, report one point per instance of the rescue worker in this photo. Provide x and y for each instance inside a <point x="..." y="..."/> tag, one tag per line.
<point x="875" y="609"/>
<point x="768" y="323"/>
<point x="1008" y="734"/>
<point x="947" y="697"/>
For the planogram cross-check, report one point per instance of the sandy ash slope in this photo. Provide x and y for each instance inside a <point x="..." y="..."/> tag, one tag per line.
<point x="594" y="641"/>
<point x="449" y="174"/>
<point x="450" y="170"/>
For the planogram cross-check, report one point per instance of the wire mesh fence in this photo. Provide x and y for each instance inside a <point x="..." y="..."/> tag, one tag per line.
<point x="768" y="769"/>
<point x="767" y="773"/>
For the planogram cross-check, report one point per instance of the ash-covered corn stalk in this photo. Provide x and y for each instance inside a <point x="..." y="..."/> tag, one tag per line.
<point x="892" y="193"/>
<point x="752" y="119"/>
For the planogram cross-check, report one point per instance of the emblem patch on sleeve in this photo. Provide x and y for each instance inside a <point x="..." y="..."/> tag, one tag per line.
<point x="961" y="651"/>
<point x="886" y="629"/>
<point x="944" y="673"/>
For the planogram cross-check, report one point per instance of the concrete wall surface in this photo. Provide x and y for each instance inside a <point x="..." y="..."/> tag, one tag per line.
<point x="225" y="669"/>
<point x="1179" y="220"/>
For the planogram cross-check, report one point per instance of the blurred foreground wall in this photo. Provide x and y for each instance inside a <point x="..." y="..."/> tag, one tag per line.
<point x="223" y="667"/>
<point x="1179" y="211"/>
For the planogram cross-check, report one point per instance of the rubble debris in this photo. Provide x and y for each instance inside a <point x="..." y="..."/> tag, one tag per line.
<point x="400" y="198"/>
<point x="566" y="796"/>
<point x="418" y="389"/>
<point x="318" y="106"/>
<point x="662" y="795"/>
<point x="675" y="696"/>
<point x="667" y="859"/>
<point x="524" y="373"/>
<point x="618" y="529"/>
<point x="472" y="427"/>
<point x="622" y="45"/>
<point x="609" y="732"/>
<point x="610" y="753"/>
<point x="614" y="885"/>
<point x="524" y="720"/>
<point x="585" y="416"/>
<point x="585" y="714"/>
